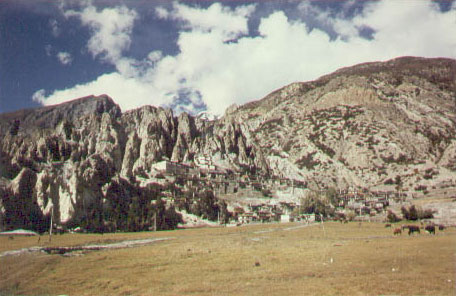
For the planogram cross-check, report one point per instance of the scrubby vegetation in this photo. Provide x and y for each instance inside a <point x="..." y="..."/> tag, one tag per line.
<point x="392" y="217"/>
<point x="413" y="213"/>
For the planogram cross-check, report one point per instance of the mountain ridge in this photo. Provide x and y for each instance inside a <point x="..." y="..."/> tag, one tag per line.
<point x="374" y="125"/>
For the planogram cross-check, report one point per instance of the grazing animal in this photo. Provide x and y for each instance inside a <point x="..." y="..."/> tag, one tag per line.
<point x="430" y="229"/>
<point x="412" y="229"/>
<point x="397" y="231"/>
<point x="441" y="227"/>
<point x="387" y="225"/>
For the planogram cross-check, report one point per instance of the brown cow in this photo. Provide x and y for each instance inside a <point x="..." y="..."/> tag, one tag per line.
<point x="412" y="229"/>
<point x="441" y="227"/>
<point x="387" y="225"/>
<point x="397" y="231"/>
<point x="430" y="229"/>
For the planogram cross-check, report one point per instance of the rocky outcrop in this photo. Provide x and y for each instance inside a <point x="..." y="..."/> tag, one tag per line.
<point x="372" y="125"/>
<point x="76" y="150"/>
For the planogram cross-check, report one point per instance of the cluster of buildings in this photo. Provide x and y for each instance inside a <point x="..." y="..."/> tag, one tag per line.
<point x="365" y="202"/>
<point x="264" y="212"/>
<point x="223" y="181"/>
<point x="227" y="183"/>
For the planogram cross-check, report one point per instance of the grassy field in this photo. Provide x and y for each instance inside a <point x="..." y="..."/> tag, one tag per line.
<point x="269" y="259"/>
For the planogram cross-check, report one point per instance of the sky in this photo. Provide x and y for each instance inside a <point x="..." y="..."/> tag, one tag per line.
<point x="202" y="56"/>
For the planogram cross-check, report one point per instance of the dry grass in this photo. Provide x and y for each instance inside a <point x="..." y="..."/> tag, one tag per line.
<point x="342" y="259"/>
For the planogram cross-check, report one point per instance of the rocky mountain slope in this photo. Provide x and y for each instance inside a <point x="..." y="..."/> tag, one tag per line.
<point x="372" y="125"/>
<point x="361" y="125"/>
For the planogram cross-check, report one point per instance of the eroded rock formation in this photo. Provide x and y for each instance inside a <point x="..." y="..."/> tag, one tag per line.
<point x="390" y="123"/>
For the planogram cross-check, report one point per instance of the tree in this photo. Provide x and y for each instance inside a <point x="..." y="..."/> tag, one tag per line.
<point x="167" y="219"/>
<point x="392" y="217"/>
<point x="134" y="215"/>
<point x="425" y="214"/>
<point x="314" y="203"/>
<point x="224" y="213"/>
<point x="172" y="218"/>
<point x="206" y="206"/>
<point x="405" y="213"/>
<point x="411" y="213"/>
<point x="331" y="194"/>
<point x="351" y="215"/>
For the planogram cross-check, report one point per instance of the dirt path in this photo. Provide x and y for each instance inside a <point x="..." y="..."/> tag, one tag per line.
<point x="96" y="247"/>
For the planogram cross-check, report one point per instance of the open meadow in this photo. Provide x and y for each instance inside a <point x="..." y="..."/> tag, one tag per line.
<point x="267" y="259"/>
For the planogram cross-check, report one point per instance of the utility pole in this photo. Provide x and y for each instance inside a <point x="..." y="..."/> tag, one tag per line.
<point x="50" y="228"/>
<point x="155" y="221"/>
<point x="323" y="225"/>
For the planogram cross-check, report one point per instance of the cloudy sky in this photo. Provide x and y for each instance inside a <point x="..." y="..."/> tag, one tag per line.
<point x="200" y="55"/>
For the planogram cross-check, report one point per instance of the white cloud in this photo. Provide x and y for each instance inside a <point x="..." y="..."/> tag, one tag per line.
<point x="155" y="56"/>
<point x="40" y="97"/>
<point x="218" y="19"/>
<point x="161" y="12"/>
<point x="419" y="28"/>
<point x="64" y="58"/>
<point x="213" y="69"/>
<point x="48" y="50"/>
<point x="55" y="30"/>
<point x="111" y="30"/>
<point x="113" y="84"/>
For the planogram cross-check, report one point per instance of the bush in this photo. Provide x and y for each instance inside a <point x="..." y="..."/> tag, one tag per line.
<point x="317" y="204"/>
<point x="425" y="214"/>
<point x="389" y="182"/>
<point x="351" y="215"/>
<point x="412" y="213"/>
<point x="420" y="187"/>
<point x="172" y="219"/>
<point x="205" y="205"/>
<point x="392" y="217"/>
<point x="340" y="217"/>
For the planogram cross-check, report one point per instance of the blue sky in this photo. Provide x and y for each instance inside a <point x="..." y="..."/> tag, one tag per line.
<point x="200" y="55"/>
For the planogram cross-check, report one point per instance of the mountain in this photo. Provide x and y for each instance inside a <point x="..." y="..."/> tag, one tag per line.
<point x="361" y="125"/>
<point x="375" y="125"/>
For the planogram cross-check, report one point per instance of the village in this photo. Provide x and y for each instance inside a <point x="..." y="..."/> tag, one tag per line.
<point x="256" y="198"/>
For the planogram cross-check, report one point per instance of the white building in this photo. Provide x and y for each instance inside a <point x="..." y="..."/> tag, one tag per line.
<point x="170" y="167"/>
<point x="205" y="162"/>
<point x="285" y="218"/>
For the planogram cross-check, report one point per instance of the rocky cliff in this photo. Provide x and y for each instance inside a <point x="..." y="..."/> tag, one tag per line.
<point x="371" y="125"/>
